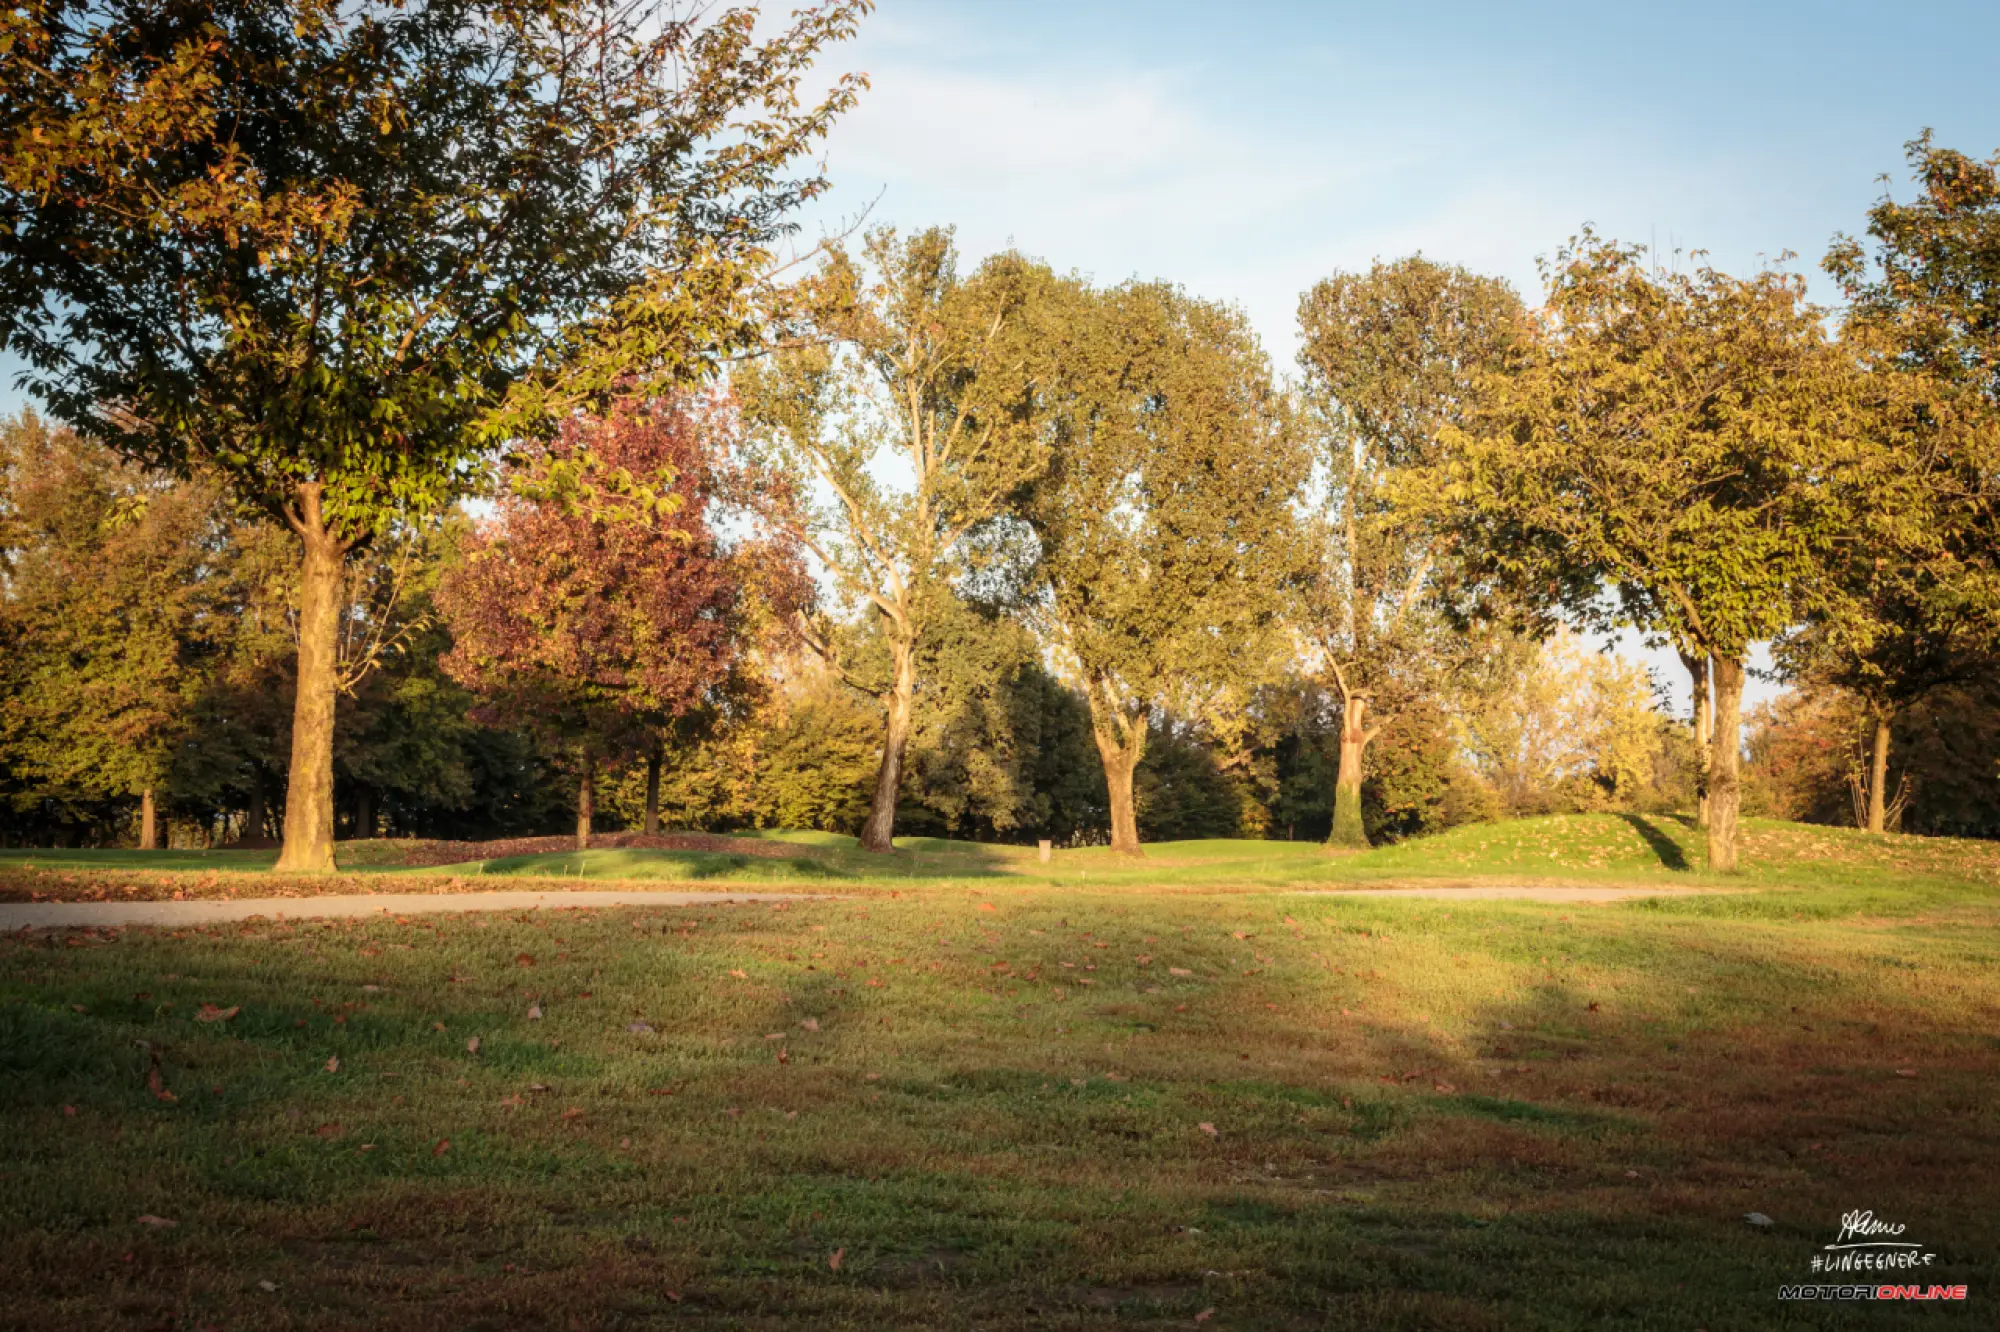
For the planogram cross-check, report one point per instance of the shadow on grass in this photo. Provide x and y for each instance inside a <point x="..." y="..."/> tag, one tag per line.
<point x="1664" y="846"/>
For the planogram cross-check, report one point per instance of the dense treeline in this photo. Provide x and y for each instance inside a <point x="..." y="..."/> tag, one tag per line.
<point x="470" y="464"/>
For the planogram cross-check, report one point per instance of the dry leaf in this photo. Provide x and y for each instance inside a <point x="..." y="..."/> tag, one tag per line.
<point x="210" y="1013"/>
<point x="333" y="1064"/>
<point x="329" y="1131"/>
<point x="1179" y="971"/>
<point x="810" y="1024"/>
<point x="1204" y="1315"/>
<point x="574" y="1112"/>
<point x="833" y="1263"/>
<point x="1906" y="1072"/>
<point x="639" y="1028"/>
<point x="472" y="1046"/>
<point x="534" y="1012"/>
<point x="738" y="974"/>
<point x="157" y="1222"/>
<point x="158" y="1088"/>
<point x="1207" y="1128"/>
<point x="443" y="1146"/>
<point x="524" y="959"/>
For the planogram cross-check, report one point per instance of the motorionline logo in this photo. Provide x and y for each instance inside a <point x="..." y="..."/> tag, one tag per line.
<point x="1871" y="1292"/>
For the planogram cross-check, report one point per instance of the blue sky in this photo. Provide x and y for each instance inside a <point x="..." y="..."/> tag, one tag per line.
<point x="1245" y="150"/>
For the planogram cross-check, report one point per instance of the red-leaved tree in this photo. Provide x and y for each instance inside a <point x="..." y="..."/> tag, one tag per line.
<point x="598" y="604"/>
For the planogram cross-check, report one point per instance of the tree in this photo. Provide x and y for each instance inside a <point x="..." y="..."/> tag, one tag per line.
<point x="337" y="254"/>
<point x="908" y="420"/>
<point x="1391" y="357"/>
<point x="596" y="618"/>
<point x="110" y="619"/>
<point x="1919" y="605"/>
<point x="1164" y="519"/>
<point x="1691" y="440"/>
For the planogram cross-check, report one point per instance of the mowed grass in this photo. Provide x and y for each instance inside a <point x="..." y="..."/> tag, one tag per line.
<point x="1832" y="869"/>
<point x="1003" y="1104"/>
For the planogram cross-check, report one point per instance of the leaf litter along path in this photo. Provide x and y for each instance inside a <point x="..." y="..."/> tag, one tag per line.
<point x="204" y="911"/>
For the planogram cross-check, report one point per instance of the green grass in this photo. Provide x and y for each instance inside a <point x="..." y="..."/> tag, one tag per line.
<point x="1425" y="1114"/>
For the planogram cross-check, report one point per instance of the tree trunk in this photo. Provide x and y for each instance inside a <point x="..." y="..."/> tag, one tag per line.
<point x="149" y="831"/>
<point x="253" y="818"/>
<point x="586" y="799"/>
<point x="879" y="833"/>
<point x="654" y="760"/>
<point x="308" y="844"/>
<point x="1121" y="760"/>
<point x="1347" y="829"/>
<point x="1725" y="753"/>
<point x="1878" y="775"/>
<point x="1704" y="725"/>
<point x="364" y="814"/>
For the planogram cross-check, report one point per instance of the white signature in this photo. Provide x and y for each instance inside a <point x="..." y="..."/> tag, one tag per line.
<point x="1861" y="1227"/>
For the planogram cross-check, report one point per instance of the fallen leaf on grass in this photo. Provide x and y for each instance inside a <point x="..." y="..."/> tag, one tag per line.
<point x="534" y="1012"/>
<point x="833" y="1263"/>
<point x="512" y="1102"/>
<point x="472" y="1046"/>
<point x="443" y="1146"/>
<point x="1204" y="1315"/>
<point x="157" y="1222"/>
<point x="210" y="1013"/>
<point x="333" y="1064"/>
<point x="1906" y="1072"/>
<point x="738" y="974"/>
<point x="158" y="1088"/>
<point x="524" y="959"/>
<point x="574" y="1112"/>
<point x="267" y="1286"/>
<point x="69" y="1110"/>
<point x="1179" y="971"/>
<point x="639" y="1028"/>
<point x="810" y="1024"/>
<point x="330" y="1131"/>
<point x="1207" y="1128"/>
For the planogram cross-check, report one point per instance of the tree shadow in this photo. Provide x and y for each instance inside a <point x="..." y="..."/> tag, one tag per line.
<point x="1664" y="846"/>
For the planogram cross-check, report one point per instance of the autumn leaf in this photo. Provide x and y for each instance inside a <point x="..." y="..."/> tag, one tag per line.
<point x="639" y="1028"/>
<point x="443" y="1146"/>
<point x="833" y="1263"/>
<point x="472" y="1046"/>
<point x="1179" y="971"/>
<point x="1207" y="1128"/>
<point x="738" y="974"/>
<point x="524" y="959"/>
<point x="157" y="1222"/>
<point x="210" y="1013"/>
<point x="157" y="1087"/>
<point x="1204" y="1315"/>
<point x="333" y="1064"/>
<point x="810" y="1024"/>
<point x="330" y="1131"/>
<point x="534" y="1012"/>
<point x="574" y="1112"/>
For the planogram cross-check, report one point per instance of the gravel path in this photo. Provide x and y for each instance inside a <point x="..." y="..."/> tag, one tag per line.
<point x="208" y="911"/>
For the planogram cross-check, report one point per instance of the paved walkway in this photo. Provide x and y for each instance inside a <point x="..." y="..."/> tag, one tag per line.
<point x="1521" y="892"/>
<point x="210" y="910"/>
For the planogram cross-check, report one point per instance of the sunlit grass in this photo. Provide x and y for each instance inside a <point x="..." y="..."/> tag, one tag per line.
<point x="1460" y="1114"/>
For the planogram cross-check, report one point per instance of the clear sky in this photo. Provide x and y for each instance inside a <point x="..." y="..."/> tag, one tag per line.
<point x="1245" y="150"/>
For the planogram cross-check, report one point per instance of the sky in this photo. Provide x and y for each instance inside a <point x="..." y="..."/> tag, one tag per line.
<point x="1245" y="150"/>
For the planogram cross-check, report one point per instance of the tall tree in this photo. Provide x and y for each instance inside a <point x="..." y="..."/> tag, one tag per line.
<point x="597" y="616"/>
<point x="109" y="610"/>
<point x="1689" y="440"/>
<point x="1165" y="519"/>
<point x="1391" y="357"/>
<point x="908" y="418"/>
<point x="336" y="253"/>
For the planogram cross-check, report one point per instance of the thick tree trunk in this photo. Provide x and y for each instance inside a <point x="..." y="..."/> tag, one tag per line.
<point x="1878" y="776"/>
<point x="879" y="833"/>
<point x="1704" y="726"/>
<point x="149" y="831"/>
<point x="1725" y="752"/>
<point x="308" y="844"/>
<point x="1347" y="828"/>
<point x="364" y="814"/>
<point x="586" y="798"/>
<point x="653" y="763"/>
<point x="1121" y="761"/>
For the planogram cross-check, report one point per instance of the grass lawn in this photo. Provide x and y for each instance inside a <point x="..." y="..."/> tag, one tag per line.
<point x="1020" y="1098"/>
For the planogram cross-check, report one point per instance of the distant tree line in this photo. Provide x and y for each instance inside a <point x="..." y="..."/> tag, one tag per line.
<point x="873" y="539"/>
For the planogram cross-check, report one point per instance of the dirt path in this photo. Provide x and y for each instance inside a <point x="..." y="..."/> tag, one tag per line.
<point x="1519" y="892"/>
<point x="208" y="911"/>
